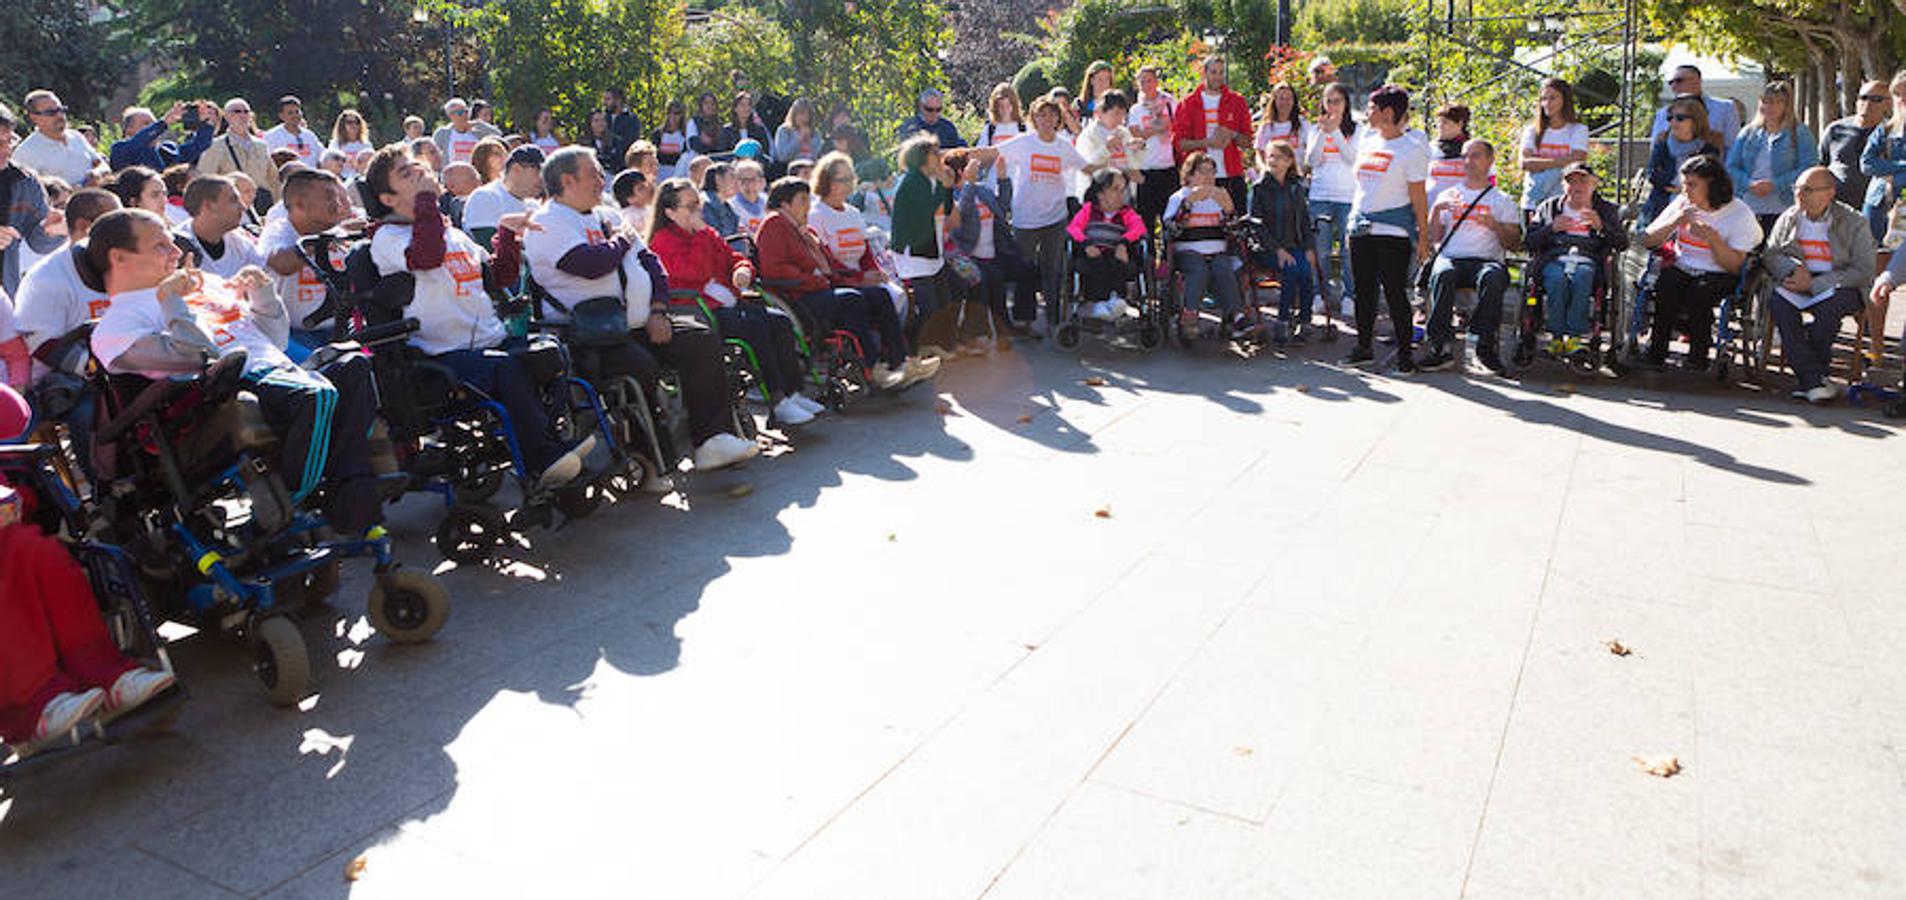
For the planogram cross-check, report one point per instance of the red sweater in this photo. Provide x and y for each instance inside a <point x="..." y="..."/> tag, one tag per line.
<point x="693" y="260"/>
<point x="1187" y="124"/>
<point x="791" y="253"/>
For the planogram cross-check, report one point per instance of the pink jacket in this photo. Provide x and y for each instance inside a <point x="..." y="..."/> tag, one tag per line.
<point x="1089" y="213"/>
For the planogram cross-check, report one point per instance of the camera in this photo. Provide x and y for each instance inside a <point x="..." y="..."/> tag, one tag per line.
<point x="190" y="120"/>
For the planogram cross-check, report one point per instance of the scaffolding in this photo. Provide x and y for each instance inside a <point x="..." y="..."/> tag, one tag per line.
<point x="1496" y="61"/>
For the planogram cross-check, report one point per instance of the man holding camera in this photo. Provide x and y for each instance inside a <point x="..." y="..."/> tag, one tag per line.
<point x="146" y="144"/>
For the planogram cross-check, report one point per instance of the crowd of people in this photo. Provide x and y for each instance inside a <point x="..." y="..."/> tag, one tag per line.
<point x="181" y="241"/>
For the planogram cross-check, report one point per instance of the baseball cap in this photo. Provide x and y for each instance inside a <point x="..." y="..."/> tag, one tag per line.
<point x="1579" y="168"/>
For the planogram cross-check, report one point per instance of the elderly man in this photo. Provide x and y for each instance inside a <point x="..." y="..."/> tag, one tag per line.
<point x="930" y="118"/>
<point x="53" y="149"/>
<point x="146" y="144"/>
<point x="1842" y="141"/>
<point x="1820" y="254"/>
<point x="241" y="151"/>
<point x="457" y="140"/>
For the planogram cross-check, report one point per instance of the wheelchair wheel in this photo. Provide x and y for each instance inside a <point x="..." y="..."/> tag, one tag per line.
<point x="481" y="488"/>
<point x="469" y="534"/>
<point x="1066" y="337"/>
<point x="281" y="660"/>
<point x="1895" y="408"/>
<point x="408" y="606"/>
<point x="1150" y="335"/>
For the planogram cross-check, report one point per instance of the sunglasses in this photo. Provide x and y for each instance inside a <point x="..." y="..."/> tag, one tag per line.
<point x="1873" y="98"/>
<point x="51" y="111"/>
<point x="931" y="109"/>
<point x="1680" y="117"/>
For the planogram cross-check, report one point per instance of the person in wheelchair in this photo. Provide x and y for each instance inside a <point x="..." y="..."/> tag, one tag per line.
<point x="1821" y="256"/>
<point x="457" y="322"/>
<point x="167" y="320"/>
<point x="58" y="665"/>
<point x="1570" y="240"/>
<point x="1194" y="218"/>
<point x="1281" y="205"/>
<point x="792" y="259"/>
<point x="697" y="259"/>
<point x="1707" y="233"/>
<point x="577" y="253"/>
<point x="1475" y="225"/>
<point x="1105" y="238"/>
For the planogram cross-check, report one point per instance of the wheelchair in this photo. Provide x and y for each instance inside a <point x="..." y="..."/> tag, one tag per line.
<point x="1243" y="243"/>
<point x="451" y="439"/>
<point x="45" y="471"/>
<point x="1743" y="330"/>
<point x="1597" y="351"/>
<point x="1145" y="321"/>
<point x="188" y="486"/>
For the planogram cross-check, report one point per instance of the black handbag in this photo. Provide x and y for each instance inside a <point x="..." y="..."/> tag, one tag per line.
<point x="598" y="322"/>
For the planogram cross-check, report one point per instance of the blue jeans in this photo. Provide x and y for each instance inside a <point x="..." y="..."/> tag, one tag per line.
<point x="1296" y="287"/>
<point x="1568" y="287"/>
<point x="1490" y="279"/>
<point x="1217" y="273"/>
<point x="1808" y="346"/>
<point x="1334" y="233"/>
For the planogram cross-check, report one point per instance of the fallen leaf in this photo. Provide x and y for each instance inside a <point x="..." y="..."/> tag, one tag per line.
<point x="1103" y="512"/>
<point x="354" y="869"/>
<point x="1030" y="647"/>
<point x="1303" y="388"/>
<point x="942" y="407"/>
<point x="1661" y="766"/>
<point x="1094" y="381"/>
<point x="891" y="537"/>
<point x="1025" y="418"/>
<point x="1565" y="388"/>
<point x="741" y="490"/>
<point x="1243" y="751"/>
<point x="1617" y="648"/>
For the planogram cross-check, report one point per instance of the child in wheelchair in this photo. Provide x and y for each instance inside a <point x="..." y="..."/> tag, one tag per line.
<point x="1107" y="246"/>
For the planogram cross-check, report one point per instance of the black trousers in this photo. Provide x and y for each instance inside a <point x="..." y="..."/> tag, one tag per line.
<point x="694" y="352"/>
<point x="1382" y="262"/>
<point x="1103" y="276"/>
<point x="1240" y="192"/>
<point x="772" y="337"/>
<point x="867" y="313"/>
<point x="1010" y="272"/>
<point x="1159" y="185"/>
<point x="1686" y="301"/>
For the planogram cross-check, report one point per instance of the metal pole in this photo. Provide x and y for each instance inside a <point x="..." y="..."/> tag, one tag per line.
<point x="449" y="69"/>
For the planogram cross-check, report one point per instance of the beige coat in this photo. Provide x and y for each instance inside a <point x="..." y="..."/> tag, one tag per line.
<point x="234" y="153"/>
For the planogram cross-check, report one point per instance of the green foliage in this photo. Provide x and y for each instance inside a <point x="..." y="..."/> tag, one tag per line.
<point x="54" y="44"/>
<point x="876" y="56"/>
<point x="562" y="54"/>
<point x="1329" y="24"/>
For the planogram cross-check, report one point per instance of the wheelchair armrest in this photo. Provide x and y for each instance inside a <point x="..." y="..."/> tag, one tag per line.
<point x="375" y="335"/>
<point x="16" y="456"/>
<point x="218" y="383"/>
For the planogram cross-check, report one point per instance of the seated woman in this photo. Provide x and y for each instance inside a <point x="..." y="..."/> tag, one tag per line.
<point x="792" y="259"/>
<point x="59" y="667"/>
<point x="1281" y="205"/>
<point x="1688" y="135"/>
<point x="697" y="259"/>
<point x="1195" y="216"/>
<point x="1712" y="232"/>
<point x="577" y="252"/>
<point x="1105" y="237"/>
<point x="718" y="187"/>
<point x="845" y="230"/>
<point x="458" y="325"/>
<point x="1569" y="240"/>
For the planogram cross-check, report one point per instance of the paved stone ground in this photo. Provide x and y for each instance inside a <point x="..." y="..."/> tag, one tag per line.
<point x="1341" y="636"/>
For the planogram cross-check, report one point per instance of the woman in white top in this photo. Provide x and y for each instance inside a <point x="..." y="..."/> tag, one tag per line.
<point x="1330" y="155"/>
<point x="1446" y="152"/>
<point x="1554" y="140"/>
<point x="843" y="228"/>
<point x="542" y="131"/>
<point x="1003" y="123"/>
<point x="1712" y="231"/>
<point x="671" y="140"/>
<point x="1280" y="121"/>
<point x="1040" y="165"/>
<point x="350" y="136"/>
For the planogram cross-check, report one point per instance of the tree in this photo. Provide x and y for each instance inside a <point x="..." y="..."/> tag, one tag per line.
<point x="1827" y="43"/>
<point x="562" y="54"/>
<point x="55" y="44"/>
<point x="992" y="41"/>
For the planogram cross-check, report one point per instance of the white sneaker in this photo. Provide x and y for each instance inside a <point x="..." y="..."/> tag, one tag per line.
<point x="724" y="450"/>
<point x="136" y="687"/>
<point x="936" y="352"/>
<point x="567" y="466"/>
<point x="886" y="378"/>
<point x="1824" y="393"/>
<point x="791" y="412"/>
<point x="810" y="404"/>
<point x="64" y="712"/>
<point x="1116" y="308"/>
<point x="919" y="368"/>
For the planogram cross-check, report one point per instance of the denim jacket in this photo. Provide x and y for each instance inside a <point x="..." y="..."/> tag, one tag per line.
<point x="1791" y="157"/>
<point x="1884" y="157"/>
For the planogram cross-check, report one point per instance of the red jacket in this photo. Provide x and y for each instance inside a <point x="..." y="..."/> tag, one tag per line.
<point x="791" y="253"/>
<point x="693" y="260"/>
<point x="1187" y="124"/>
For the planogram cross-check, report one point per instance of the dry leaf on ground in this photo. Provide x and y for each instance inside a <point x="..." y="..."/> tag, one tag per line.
<point x="942" y="407"/>
<point x="1243" y="751"/>
<point x="1660" y="766"/>
<point x="1303" y="388"/>
<point x="1618" y="648"/>
<point x="1103" y="512"/>
<point x="741" y="490"/>
<point x="1094" y="381"/>
<point x="1025" y="418"/>
<point x="354" y="869"/>
<point x="891" y="537"/>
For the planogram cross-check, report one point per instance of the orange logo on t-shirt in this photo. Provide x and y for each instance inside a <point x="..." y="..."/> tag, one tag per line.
<point x="671" y="145"/>
<point x="1447" y="168"/>
<point x="1816" y="251"/>
<point x="1376" y="162"/>
<point x="1685" y="239"/>
<point x="1330" y="147"/>
<point x="97" y="308"/>
<point x="214" y="314"/>
<point x="1045" y="168"/>
<point x="1204" y="219"/>
<point x="461" y="146"/>
<point x="1553" y="151"/>
<point x="850" y="239"/>
<point x="464" y="271"/>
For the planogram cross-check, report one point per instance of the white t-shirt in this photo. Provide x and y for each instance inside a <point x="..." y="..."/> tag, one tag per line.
<point x="564" y="229"/>
<point x="461" y="144"/>
<point x="305" y="143"/>
<point x="351" y="149"/>
<point x="1038" y="170"/>
<point x="842" y="231"/>
<point x="1274" y="132"/>
<point x="1206" y="213"/>
<point x="548" y="142"/>
<point x="490" y="203"/>
<point x="1445" y="172"/>
<point x="1557" y="143"/>
<point x="1157" y="153"/>
<point x="1736" y="223"/>
<point x="303" y="292"/>
<point x="1386" y="167"/>
<point x="1331" y="157"/>
<point x="240" y="251"/>
<point x="69" y="159"/>
<point x="452" y="309"/>
<point x="1108" y="146"/>
<point x="1211" y="102"/>
<point x="53" y="300"/>
<point x="216" y="307"/>
<point x="1477" y="238"/>
<point x="1816" y="249"/>
<point x="983" y="247"/>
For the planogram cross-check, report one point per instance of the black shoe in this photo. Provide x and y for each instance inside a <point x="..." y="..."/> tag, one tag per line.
<point x="1695" y="362"/>
<point x="1406" y="361"/>
<point x="1360" y="356"/>
<point x="1436" y="360"/>
<point x="1493" y="362"/>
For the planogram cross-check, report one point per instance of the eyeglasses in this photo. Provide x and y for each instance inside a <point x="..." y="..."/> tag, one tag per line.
<point x="238" y="112"/>
<point x="49" y="111"/>
<point x="1873" y="98"/>
<point x="1680" y="117"/>
<point x="931" y="109"/>
<point x="1815" y="189"/>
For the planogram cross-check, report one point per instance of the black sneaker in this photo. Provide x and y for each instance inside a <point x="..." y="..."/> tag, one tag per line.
<point x="1493" y="362"/>
<point x="1436" y="360"/>
<point x="1406" y="361"/>
<point x="1695" y="362"/>
<point x="1360" y="356"/>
